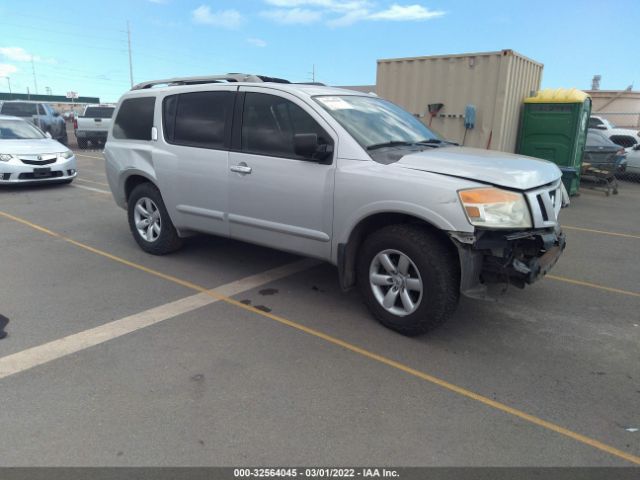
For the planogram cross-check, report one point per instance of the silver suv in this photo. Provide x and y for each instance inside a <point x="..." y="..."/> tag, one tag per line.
<point x="349" y="178"/>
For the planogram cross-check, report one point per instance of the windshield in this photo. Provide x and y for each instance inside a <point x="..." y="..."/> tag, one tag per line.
<point x="99" y="112"/>
<point x="19" y="109"/>
<point x="374" y="122"/>
<point x="18" y="130"/>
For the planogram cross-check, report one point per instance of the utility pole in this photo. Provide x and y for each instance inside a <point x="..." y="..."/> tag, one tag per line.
<point x="313" y="73"/>
<point x="48" y="90"/>
<point x="130" y="61"/>
<point x="33" y="69"/>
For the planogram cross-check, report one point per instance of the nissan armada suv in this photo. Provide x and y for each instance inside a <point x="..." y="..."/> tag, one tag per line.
<point x="338" y="175"/>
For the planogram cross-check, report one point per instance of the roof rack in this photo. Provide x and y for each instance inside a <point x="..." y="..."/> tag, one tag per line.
<point x="229" y="77"/>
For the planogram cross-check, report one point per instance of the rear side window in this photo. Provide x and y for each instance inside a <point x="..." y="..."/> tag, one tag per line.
<point x="197" y="119"/>
<point x="597" y="139"/>
<point x="135" y="119"/>
<point x="269" y="123"/>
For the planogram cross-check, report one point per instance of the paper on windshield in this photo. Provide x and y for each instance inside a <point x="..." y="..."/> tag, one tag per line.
<point x="334" y="103"/>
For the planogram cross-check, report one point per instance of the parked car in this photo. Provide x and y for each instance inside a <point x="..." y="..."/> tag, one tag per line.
<point x="93" y="125"/>
<point x="621" y="136"/>
<point x="633" y="163"/>
<point x="40" y="114"/>
<point x="339" y="175"/>
<point x="28" y="155"/>
<point x="601" y="152"/>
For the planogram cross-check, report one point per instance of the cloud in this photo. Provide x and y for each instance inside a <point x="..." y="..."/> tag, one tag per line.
<point x="344" y="13"/>
<point x="224" y="18"/>
<point x="19" y="54"/>
<point x="293" y="16"/>
<point x="399" y="13"/>
<point x="6" y="69"/>
<point x="333" y="5"/>
<point x="257" y="42"/>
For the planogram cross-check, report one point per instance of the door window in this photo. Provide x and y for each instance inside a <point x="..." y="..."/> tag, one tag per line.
<point x="269" y="124"/>
<point x="197" y="119"/>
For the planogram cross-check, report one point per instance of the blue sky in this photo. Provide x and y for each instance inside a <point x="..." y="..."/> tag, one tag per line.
<point x="81" y="45"/>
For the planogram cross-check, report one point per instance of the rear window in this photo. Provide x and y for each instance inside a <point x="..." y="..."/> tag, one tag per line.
<point x="19" y="109"/>
<point x="99" y="112"/>
<point x="625" y="141"/>
<point x="197" y="119"/>
<point x="135" y="119"/>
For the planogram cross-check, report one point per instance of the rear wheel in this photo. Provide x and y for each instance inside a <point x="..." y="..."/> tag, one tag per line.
<point x="149" y="221"/>
<point x="82" y="144"/>
<point x="409" y="278"/>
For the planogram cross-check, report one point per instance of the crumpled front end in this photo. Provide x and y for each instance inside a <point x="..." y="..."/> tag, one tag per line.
<point x="518" y="258"/>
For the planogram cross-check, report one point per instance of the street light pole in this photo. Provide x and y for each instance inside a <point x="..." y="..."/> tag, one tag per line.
<point x="9" y="82"/>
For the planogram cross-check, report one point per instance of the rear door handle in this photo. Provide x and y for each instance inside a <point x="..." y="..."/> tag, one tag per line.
<point x="241" y="168"/>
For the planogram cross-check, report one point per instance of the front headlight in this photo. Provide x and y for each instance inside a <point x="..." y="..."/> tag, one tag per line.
<point x="5" y="157"/>
<point x="495" y="208"/>
<point x="67" y="154"/>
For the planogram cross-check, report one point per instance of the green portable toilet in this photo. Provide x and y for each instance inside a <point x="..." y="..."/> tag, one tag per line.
<point x="554" y="127"/>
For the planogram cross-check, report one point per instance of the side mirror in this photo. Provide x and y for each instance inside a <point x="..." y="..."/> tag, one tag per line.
<point x="48" y="135"/>
<point x="308" y="146"/>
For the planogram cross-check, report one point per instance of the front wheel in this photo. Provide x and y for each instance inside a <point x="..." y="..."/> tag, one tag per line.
<point x="409" y="278"/>
<point x="149" y="221"/>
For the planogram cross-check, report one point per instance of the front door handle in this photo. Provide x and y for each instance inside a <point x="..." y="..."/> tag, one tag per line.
<point x="241" y="168"/>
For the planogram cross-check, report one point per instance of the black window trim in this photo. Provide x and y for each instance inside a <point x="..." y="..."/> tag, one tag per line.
<point x="237" y="132"/>
<point x="226" y="140"/>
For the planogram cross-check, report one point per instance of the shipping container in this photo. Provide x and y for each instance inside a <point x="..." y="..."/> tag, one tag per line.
<point x="496" y="83"/>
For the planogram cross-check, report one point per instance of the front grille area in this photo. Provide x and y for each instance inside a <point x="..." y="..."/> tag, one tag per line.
<point x="39" y="159"/>
<point x="39" y="162"/>
<point x="545" y="204"/>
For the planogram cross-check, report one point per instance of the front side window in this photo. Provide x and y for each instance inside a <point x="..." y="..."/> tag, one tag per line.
<point x="135" y="119"/>
<point x="269" y="124"/>
<point x="19" y="130"/>
<point x="197" y="119"/>
<point x="374" y="122"/>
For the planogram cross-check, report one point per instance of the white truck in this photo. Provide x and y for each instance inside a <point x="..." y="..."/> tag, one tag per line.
<point x="93" y="125"/>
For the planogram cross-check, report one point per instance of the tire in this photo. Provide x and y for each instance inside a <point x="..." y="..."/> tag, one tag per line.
<point x="161" y="240"/>
<point x="431" y="262"/>
<point x="82" y="144"/>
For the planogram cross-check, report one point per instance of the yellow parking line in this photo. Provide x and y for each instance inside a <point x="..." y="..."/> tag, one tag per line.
<point x="92" y="181"/>
<point x="353" y="348"/>
<point x="592" y="285"/>
<point x="87" y="156"/>
<point x="602" y="232"/>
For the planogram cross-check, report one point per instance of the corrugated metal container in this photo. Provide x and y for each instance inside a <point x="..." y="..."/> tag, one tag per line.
<point x="495" y="82"/>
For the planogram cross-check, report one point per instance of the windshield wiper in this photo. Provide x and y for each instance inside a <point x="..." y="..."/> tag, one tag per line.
<point x="429" y="141"/>
<point x="394" y="143"/>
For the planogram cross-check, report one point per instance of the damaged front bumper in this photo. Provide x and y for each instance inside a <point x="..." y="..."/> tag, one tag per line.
<point x="510" y="257"/>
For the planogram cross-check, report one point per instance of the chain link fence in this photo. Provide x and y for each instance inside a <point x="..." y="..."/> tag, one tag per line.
<point x="622" y="129"/>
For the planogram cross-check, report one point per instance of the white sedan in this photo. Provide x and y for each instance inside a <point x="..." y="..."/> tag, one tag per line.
<point x="633" y="160"/>
<point x="28" y="155"/>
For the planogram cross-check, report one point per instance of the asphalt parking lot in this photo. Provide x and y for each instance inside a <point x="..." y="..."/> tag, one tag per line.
<point x="116" y="357"/>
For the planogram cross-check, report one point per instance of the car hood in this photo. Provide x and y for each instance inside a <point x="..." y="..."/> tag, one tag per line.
<point x="486" y="166"/>
<point x="35" y="146"/>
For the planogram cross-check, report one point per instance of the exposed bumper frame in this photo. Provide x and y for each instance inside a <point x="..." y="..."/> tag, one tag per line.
<point x="510" y="257"/>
